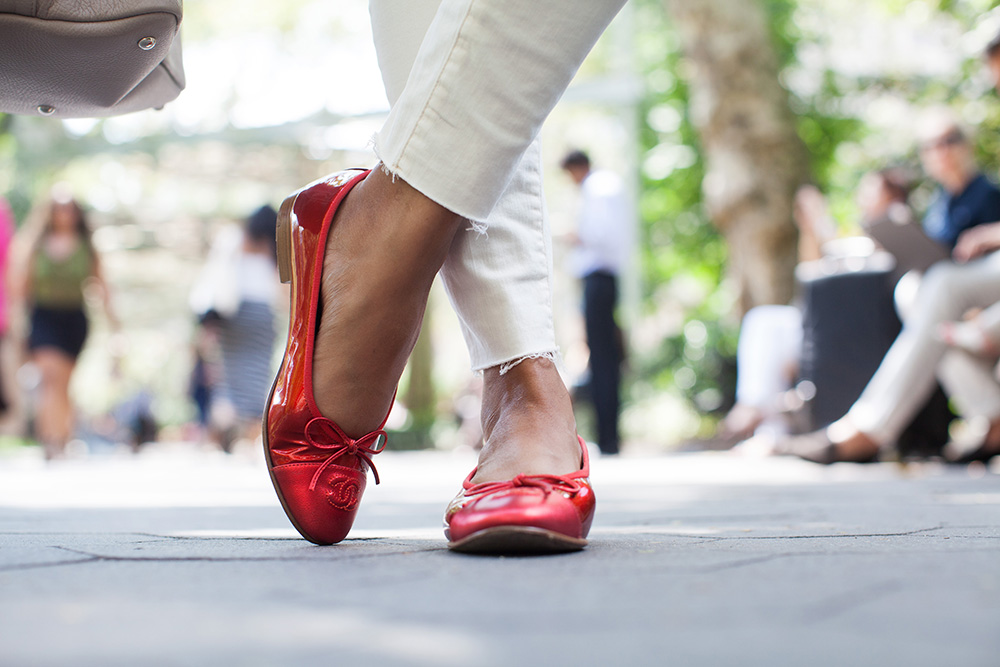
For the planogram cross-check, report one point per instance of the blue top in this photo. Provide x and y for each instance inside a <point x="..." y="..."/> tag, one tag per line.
<point x="949" y="215"/>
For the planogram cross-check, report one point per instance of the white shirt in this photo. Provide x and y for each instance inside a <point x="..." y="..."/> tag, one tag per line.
<point x="231" y="276"/>
<point x="257" y="278"/>
<point x="605" y="225"/>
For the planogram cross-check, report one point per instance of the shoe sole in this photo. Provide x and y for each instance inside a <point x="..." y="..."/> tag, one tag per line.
<point x="517" y="540"/>
<point x="283" y="236"/>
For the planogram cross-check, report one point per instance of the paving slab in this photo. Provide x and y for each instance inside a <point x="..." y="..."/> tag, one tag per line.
<point x="183" y="557"/>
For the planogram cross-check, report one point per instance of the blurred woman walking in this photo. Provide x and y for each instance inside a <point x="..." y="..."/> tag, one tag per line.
<point x="57" y="261"/>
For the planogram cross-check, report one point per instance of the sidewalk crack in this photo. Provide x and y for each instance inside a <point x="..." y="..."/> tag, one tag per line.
<point x="20" y="567"/>
<point x="94" y="557"/>
<point x="907" y="533"/>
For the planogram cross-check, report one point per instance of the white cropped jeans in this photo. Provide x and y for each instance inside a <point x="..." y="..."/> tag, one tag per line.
<point x="470" y="83"/>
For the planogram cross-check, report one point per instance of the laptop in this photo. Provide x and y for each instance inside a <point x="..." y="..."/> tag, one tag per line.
<point x="905" y="239"/>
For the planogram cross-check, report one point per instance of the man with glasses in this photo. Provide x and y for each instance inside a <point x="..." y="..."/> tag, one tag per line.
<point x="965" y="197"/>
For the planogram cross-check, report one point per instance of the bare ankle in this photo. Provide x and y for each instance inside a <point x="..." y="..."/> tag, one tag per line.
<point x="535" y="382"/>
<point x="398" y="199"/>
<point x="528" y="423"/>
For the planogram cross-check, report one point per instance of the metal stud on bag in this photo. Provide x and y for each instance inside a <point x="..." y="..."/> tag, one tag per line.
<point x="48" y="71"/>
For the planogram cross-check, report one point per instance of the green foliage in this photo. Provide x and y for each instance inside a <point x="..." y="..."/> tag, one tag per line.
<point x="684" y="256"/>
<point x="677" y="236"/>
<point x="19" y="200"/>
<point x="818" y="123"/>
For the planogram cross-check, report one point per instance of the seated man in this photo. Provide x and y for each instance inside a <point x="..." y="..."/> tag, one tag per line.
<point x="906" y="376"/>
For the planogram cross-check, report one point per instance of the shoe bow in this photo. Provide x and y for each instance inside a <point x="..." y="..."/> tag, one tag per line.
<point x="547" y="483"/>
<point x="324" y="434"/>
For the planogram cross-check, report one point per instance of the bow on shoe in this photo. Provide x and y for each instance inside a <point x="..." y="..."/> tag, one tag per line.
<point x="547" y="483"/>
<point x="323" y="433"/>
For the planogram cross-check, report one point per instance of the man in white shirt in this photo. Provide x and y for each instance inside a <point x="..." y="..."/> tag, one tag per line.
<point x="603" y="243"/>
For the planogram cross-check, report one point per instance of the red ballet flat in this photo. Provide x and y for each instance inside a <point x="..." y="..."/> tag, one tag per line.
<point x="318" y="471"/>
<point x="530" y="514"/>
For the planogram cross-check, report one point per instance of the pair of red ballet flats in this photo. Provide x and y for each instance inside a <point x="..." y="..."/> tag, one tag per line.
<point x="320" y="473"/>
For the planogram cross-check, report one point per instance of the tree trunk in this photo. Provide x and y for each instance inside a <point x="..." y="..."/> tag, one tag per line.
<point x="754" y="158"/>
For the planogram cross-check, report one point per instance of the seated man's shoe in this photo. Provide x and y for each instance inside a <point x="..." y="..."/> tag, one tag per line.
<point x="818" y="448"/>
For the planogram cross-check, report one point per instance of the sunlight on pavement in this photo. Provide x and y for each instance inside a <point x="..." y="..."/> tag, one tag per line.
<point x="185" y="475"/>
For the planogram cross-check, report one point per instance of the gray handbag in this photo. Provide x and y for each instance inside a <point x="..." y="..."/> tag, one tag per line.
<point x="88" y="58"/>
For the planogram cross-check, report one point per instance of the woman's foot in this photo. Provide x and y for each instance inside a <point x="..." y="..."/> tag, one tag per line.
<point x="530" y="492"/>
<point x="528" y="423"/>
<point x="385" y="246"/>
<point x="360" y="269"/>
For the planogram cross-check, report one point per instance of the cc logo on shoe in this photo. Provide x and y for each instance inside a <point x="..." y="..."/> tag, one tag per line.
<point x="345" y="494"/>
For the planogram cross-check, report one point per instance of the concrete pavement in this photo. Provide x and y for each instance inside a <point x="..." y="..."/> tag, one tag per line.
<point x="184" y="557"/>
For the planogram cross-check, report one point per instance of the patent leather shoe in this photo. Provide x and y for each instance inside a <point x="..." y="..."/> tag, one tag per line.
<point x="530" y="514"/>
<point x="318" y="471"/>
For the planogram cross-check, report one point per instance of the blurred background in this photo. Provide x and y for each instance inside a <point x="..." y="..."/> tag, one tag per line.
<point x="712" y="111"/>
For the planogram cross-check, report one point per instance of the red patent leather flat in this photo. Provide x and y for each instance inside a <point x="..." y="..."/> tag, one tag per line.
<point x="528" y="514"/>
<point x="318" y="471"/>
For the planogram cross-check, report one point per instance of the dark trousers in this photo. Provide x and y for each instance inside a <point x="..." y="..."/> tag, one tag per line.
<point x="600" y="295"/>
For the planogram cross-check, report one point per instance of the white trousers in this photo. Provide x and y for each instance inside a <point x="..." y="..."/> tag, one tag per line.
<point x="905" y="378"/>
<point x="470" y="83"/>
<point x="768" y="355"/>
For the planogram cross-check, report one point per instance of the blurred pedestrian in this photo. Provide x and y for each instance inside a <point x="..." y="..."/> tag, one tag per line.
<point x="603" y="240"/>
<point x="202" y="381"/>
<point x="243" y="321"/>
<point x="57" y="261"/>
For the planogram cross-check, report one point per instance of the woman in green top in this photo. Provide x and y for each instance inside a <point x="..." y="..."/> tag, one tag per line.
<point x="60" y="260"/>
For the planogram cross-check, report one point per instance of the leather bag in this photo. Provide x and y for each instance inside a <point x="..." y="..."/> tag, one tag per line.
<point x="83" y="59"/>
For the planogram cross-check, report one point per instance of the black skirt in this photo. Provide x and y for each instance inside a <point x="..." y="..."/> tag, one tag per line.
<point x="62" y="328"/>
